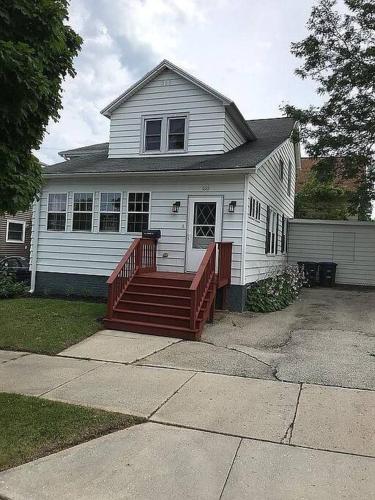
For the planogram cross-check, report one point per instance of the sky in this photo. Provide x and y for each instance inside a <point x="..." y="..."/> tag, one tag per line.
<point x="239" y="47"/>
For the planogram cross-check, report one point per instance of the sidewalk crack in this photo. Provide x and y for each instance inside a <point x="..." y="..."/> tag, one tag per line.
<point x="287" y="438"/>
<point x="230" y="468"/>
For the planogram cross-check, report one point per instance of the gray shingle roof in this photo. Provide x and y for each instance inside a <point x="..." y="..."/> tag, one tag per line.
<point x="270" y="133"/>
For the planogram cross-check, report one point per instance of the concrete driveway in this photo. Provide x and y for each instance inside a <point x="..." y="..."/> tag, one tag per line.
<point x="326" y="337"/>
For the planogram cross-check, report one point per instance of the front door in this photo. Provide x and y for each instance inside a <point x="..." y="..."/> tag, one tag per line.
<point x="204" y="227"/>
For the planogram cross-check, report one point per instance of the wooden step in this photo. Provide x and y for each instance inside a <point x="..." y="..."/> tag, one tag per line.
<point x="152" y="329"/>
<point x="156" y="298"/>
<point x="166" y="320"/>
<point x="158" y="289"/>
<point x="145" y="280"/>
<point x="177" y="310"/>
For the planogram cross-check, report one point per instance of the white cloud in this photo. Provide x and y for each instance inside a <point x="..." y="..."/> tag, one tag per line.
<point x="240" y="47"/>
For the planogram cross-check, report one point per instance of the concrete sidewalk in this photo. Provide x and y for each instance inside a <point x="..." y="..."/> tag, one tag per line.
<point x="208" y="435"/>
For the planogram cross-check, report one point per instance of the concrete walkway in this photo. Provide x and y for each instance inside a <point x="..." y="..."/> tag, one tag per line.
<point x="209" y="435"/>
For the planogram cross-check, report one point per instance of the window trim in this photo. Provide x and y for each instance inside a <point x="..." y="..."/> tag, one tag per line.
<point x="127" y="210"/>
<point x="81" y="212"/>
<point x="59" y="212"/>
<point x="257" y="209"/>
<point x="165" y="117"/>
<point x="15" y="221"/>
<point x="289" y="189"/>
<point x="273" y="223"/>
<point x="100" y="211"/>
<point x="281" y="170"/>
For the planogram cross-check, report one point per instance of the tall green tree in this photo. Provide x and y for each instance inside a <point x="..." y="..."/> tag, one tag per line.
<point x="339" y="55"/>
<point x="37" y="49"/>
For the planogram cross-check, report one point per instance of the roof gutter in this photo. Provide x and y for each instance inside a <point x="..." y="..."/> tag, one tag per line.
<point x="243" y="170"/>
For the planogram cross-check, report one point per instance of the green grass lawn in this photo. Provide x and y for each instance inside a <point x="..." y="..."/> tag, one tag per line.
<point x="33" y="427"/>
<point x="47" y="325"/>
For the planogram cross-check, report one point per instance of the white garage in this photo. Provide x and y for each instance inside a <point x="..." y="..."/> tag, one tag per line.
<point x="351" y="244"/>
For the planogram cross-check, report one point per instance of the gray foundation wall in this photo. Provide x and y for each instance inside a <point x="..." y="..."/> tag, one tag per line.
<point x="86" y="285"/>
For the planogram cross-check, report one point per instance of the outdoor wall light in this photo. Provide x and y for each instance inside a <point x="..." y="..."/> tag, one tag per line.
<point x="232" y="206"/>
<point x="176" y="206"/>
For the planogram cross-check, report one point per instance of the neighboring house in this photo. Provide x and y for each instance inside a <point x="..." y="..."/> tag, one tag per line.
<point x="15" y="233"/>
<point x="181" y="159"/>
<point x="327" y="204"/>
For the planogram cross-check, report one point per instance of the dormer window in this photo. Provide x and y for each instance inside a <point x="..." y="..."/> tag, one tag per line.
<point x="153" y="135"/>
<point x="176" y="134"/>
<point x="165" y="134"/>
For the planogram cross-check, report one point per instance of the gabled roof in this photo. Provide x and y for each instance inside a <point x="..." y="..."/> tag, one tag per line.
<point x="85" y="150"/>
<point x="165" y="64"/>
<point x="270" y="134"/>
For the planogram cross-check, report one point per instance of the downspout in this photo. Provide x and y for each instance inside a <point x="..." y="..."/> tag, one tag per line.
<point x="34" y="243"/>
<point x="244" y="228"/>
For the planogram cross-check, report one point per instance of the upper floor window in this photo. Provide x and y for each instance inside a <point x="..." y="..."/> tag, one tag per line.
<point x="289" y="178"/>
<point x="176" y="134"/>
<point x="56" y="217"/>
<point x="110" y="206"/>
<point x="164" y="134"/>
<point x="153" y="135"/>
<point x="15" y="231"/>
<point x="82" y="211"/>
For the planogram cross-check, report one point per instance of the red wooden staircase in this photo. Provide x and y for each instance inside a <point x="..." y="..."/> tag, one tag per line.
<point x="144" y="300"/>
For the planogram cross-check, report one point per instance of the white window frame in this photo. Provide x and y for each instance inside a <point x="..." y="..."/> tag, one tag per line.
<point x="83" y="212"/>
<point x="127" y="210"/>
<point x="57" y="212"/>
<point x="257" y="212"/>
<point x="165" y="118"/>
<point x="281" y="169"/>
<point x="273" y="231"/>
<point x="14" y="221"/>
<point x="107" y="212"/>
<point x="289" y="188"/>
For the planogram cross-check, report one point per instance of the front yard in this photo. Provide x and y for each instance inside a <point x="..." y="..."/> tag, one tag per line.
<point x="32" y="427"/>
<point x="47" y="326"/>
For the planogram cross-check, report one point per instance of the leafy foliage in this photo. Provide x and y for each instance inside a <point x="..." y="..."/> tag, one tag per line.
<point x="277" y="291"/>
<point x="36" y="53"/>
<point x="339" y="55"/>
<point x="321" y="200"/>
<point x="9" y="287"/>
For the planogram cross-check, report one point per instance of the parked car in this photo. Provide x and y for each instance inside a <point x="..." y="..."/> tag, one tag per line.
<point x="18" y="266"/>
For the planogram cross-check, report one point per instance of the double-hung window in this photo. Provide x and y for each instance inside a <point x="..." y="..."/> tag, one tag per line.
<point x="272" y="232"/>
<point x="153" y="135"/>
<point x="165" y="134"/>
<point x="82" y="211"/>
<point x="15" y="231"/>
<point x="56" y="214"/>
<point x="254" y="209"/>
<point x="138" y="212"/>
<point x="281" y="169"/>
<point x="284" y="233"/>
<point x="110" y="207"/>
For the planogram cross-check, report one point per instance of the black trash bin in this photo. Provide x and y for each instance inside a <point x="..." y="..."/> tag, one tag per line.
<point x="310" y="270"/>
<point x="327" y="273"/>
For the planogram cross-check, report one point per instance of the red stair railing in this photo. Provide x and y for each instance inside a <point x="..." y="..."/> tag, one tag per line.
<point x="201" y="283"/>
<point x="224" y="263"/>
<point x="140" y="257"/>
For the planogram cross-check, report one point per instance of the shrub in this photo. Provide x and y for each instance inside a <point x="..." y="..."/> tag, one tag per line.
<point x="9" y="287"/>
<point x="277" y="291"/>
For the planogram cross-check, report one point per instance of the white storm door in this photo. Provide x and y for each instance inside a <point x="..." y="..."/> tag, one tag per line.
<point x="205" y="216"/>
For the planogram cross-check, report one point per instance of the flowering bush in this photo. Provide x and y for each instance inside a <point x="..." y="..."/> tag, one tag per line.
<point x="277" y="291"/>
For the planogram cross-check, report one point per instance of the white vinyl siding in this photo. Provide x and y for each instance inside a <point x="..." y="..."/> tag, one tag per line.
<point x="232" y="136"/>
<point x="265" y="185"/>
<point x="350" y="244"/>
<point x="98" y="253"/>
<point x="171" y="94"/>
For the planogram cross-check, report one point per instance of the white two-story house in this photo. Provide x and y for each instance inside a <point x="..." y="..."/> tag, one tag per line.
<point x="181" y="159"/>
